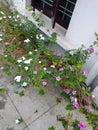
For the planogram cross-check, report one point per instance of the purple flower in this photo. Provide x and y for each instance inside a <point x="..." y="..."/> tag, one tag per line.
<point x="76" y="105"/>
<point x="87" y="109"/>
<point x="58" y="78"/>
<point x="85" y="73"/>
<point x="66" y="76"/>
<point x="67" y="91"/>
<point x="71" y="68"/>
<point x="72" y="98"/>
<point x="60" y="99"/>
<point x="44" y="83"/>
<point x="91" y="49"/>
<point x="65" y="118"/>
<point x="58" y="54"/>
<point x="61" y="69"/>
<point x="34" y="72"/>
<point x="59" y="116"/>
<point x="81" y="125"/>
<point x="96" y="128"/>
<point x="74" y="92"/>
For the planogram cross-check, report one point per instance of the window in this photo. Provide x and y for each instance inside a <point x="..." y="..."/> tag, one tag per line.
<point x="59" y="11"/>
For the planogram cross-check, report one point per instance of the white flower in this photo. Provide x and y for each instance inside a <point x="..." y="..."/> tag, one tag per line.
<point x="30" y="53"/>
<point x="75" y="99"/>
<point x="17" y="121"/>
<point x="27" y="61"/>
<point x="6" y="56"/>
<point x="17" y="78"/>
<point x="24" y="84"/>
<point x="42" y="37"/>
<point x="0" y="39"/>
<point x="2" y="12"/>
<point x="37" y="37"/>
<point x="4" y="17"/>
<point x="27" y="40"/>
<point x="0" y="18"/>
<point x="40" y="62"/>
<point x="23" y="58"/>
<point x="26" y="68"/>
<point x="17" y="16"/>
<point x="52" y="66"/>
<point x="35" y="50"/>
<point x="45" y="68"/>
<point x="9" y="17"/>
<point x="1" y="34"/>
<point x="2" y="68"/>
<point x="19" y="61"/>
<point x="93" y="96"/>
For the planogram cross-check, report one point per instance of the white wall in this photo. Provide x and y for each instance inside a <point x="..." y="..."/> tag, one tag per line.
<point x="84" y="23"/>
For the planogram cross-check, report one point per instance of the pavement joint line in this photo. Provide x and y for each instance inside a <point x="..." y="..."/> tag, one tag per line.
<point x="40" y="116"/>
<point x="26" y="126"/>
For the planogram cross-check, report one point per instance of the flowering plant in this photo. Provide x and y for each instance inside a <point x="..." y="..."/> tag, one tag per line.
<point x="26" y="52"/>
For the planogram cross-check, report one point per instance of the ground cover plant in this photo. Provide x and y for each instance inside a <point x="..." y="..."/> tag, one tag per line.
<point x="25" y="50"/>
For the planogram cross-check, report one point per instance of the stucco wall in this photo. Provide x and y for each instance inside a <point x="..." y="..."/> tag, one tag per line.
<point x="84" y="23"/>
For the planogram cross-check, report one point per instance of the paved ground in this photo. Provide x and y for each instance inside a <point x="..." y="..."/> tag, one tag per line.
<point x="38" y="112"/>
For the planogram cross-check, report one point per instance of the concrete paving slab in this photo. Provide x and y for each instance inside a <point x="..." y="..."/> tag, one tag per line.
<point x="8" y="115"/>
<point x="31" y="106"/>
<point x="50" y="119"/>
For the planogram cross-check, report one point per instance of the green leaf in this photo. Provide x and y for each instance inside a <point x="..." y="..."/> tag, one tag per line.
<point x="41" y="92"/>
<point x="3" y="90"/>
<point x="75" y="125"/>
<point x="51" y="128"/>
<point x="20" y="93"/>
<point x="69" y="107"/>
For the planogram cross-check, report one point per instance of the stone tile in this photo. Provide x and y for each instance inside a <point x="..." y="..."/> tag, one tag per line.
<point x="32" y="105"/>
<point x="8" y="115"/>
<point x="50" y="119"/>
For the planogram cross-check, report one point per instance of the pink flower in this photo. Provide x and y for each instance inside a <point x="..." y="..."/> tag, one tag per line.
<point x="61" y="69"/>
<point x="71" y="68"/>
<point x="58" y="78"/>
<point x="96" y="128"/>
<point x="76" y="105"/>
<point x="87" y="109"/>
<point x="72" y="99"/>
<point x="58" y="54"/>
<point x="91" y="49"/>
<point x="85" y="73"/>
<point x="81" y="126"/>
<point x="60" y="99"/>
<point x="65" y="118"/>
<point x="67" y="91"/>
<point x="6" y="43"/>
<point x="66" y="76"/>
<point x="44" y="83"/>
<point x="35" y="72"/>
<point x="74" y="92"/>
<point x="59" y="116"/>
<point x="49" y="72"/>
